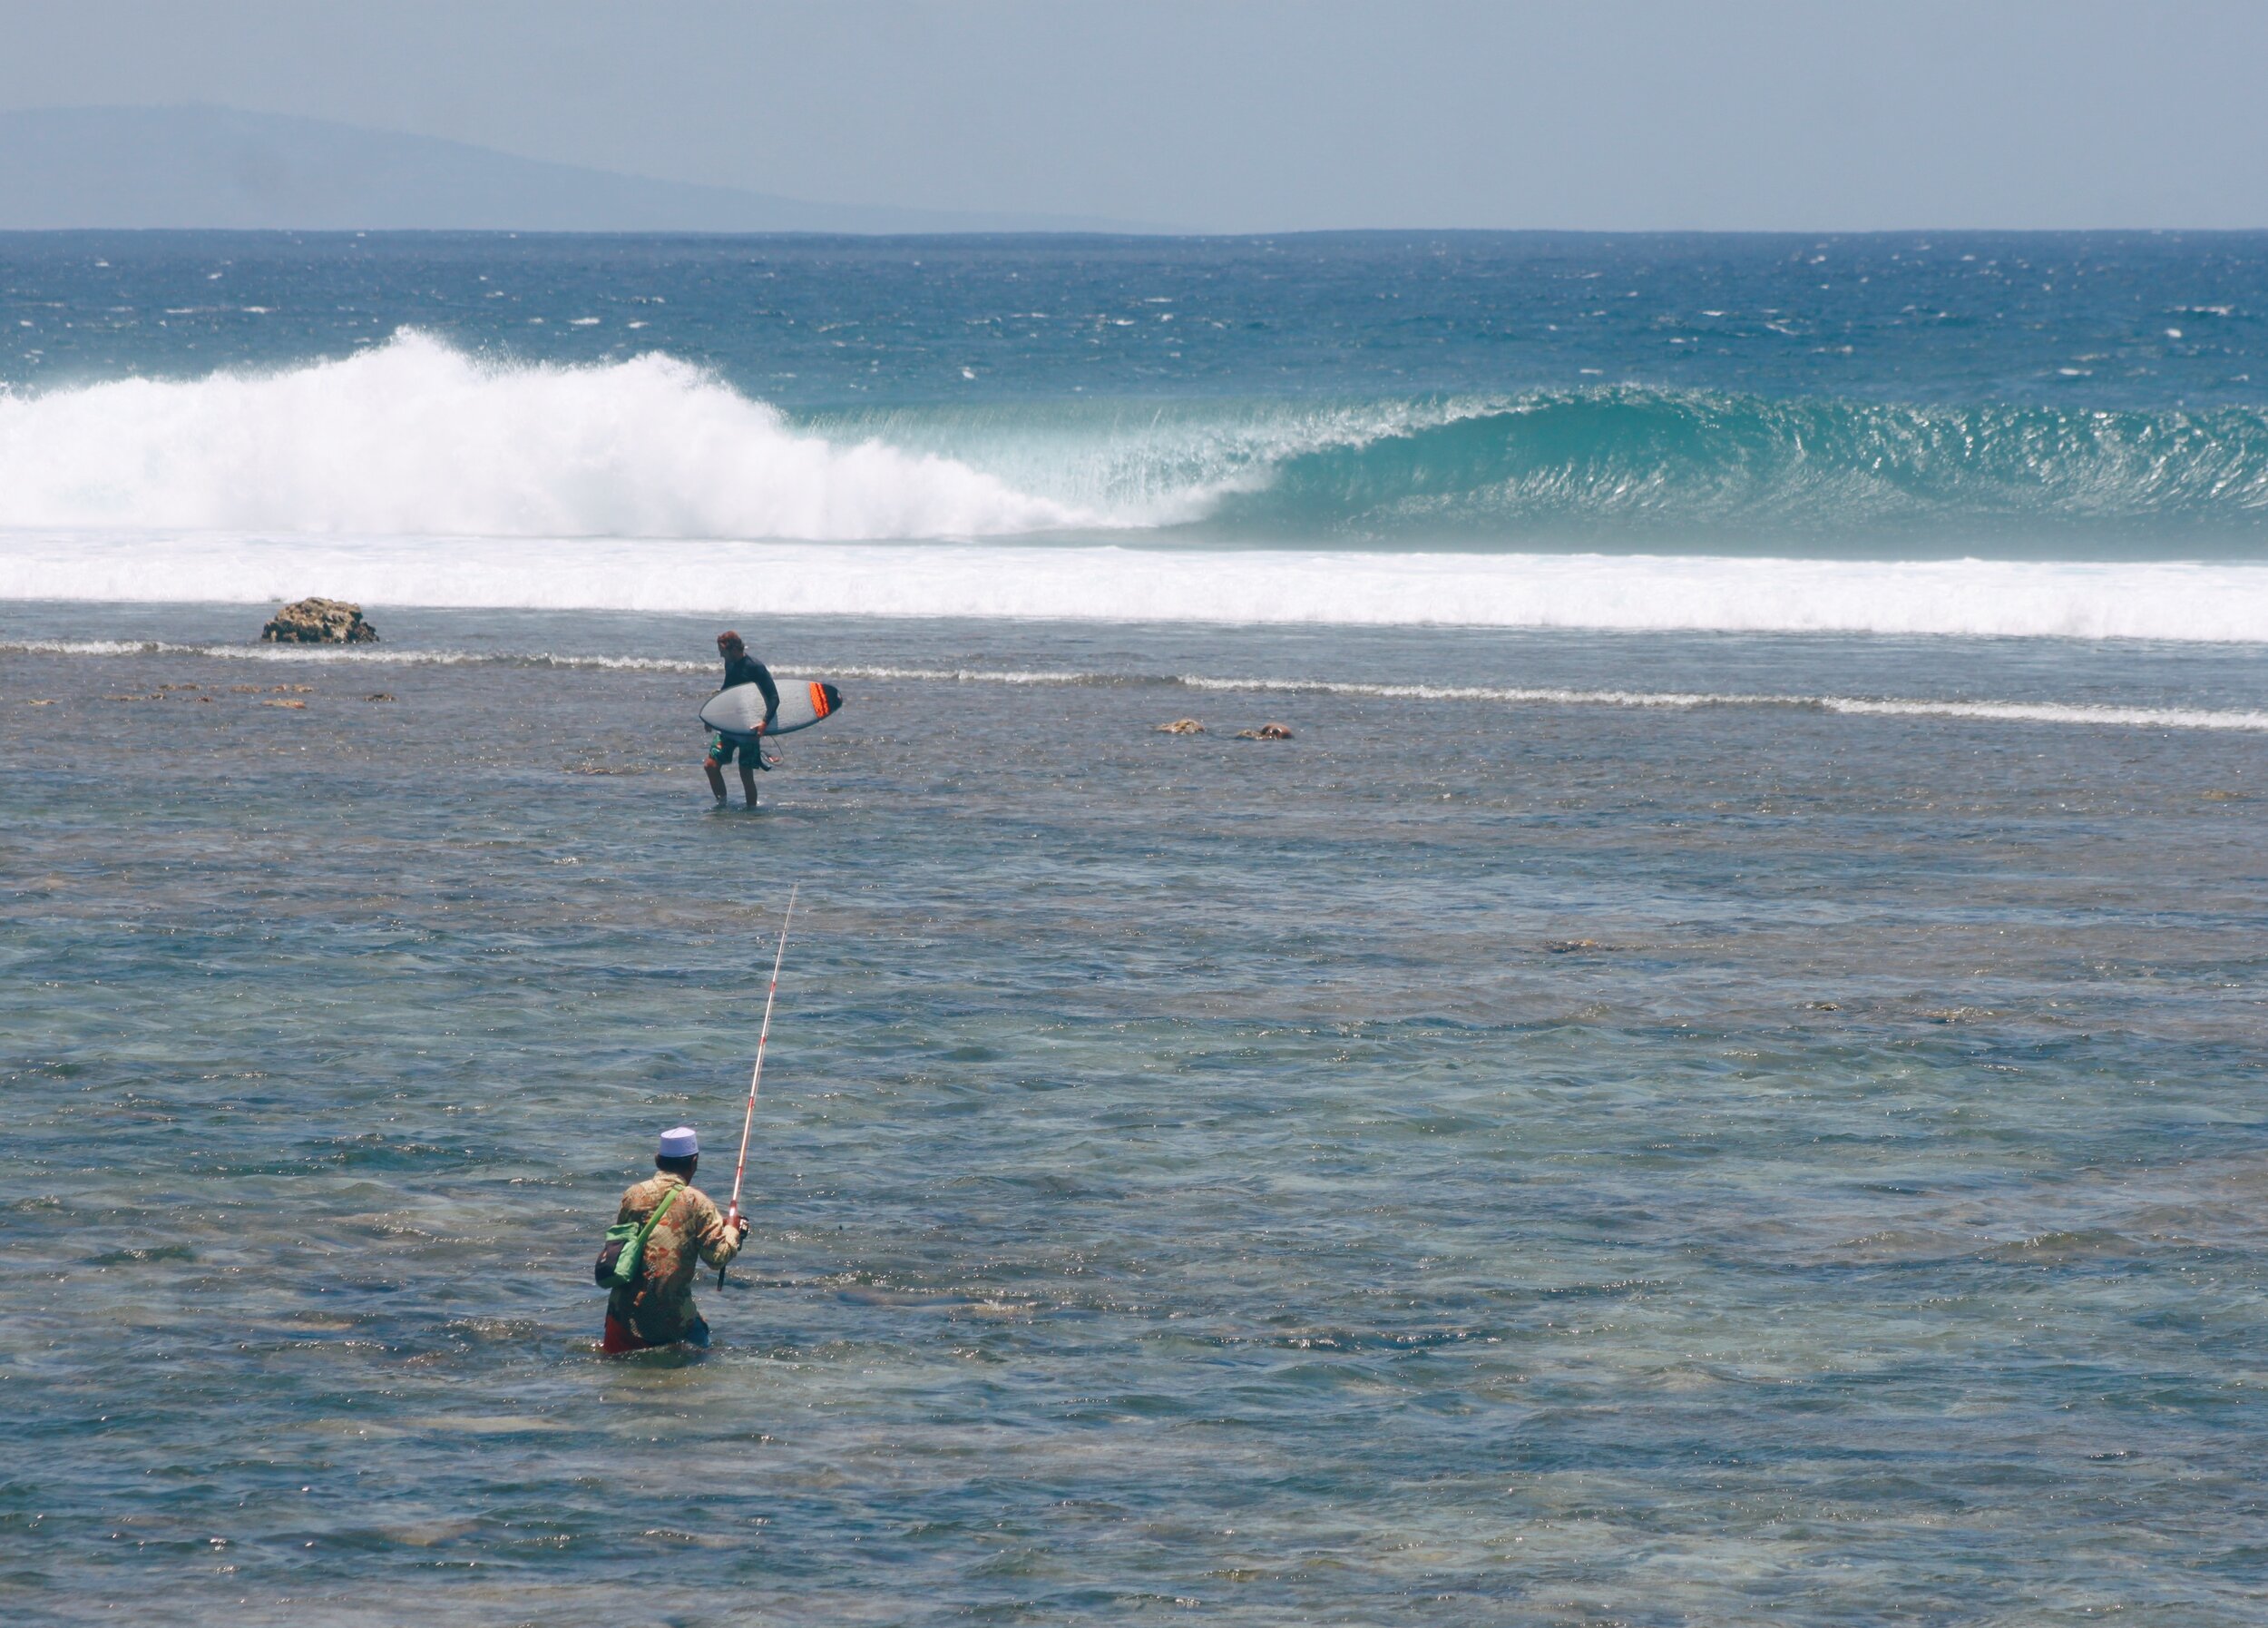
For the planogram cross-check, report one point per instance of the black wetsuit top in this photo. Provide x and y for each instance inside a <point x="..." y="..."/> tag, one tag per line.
<point x="745" y="669"/>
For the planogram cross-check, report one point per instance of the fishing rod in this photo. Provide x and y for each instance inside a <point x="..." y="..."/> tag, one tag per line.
<point x="755" y="1080"/>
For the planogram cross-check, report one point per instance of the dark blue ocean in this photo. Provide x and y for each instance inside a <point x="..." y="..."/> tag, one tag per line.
<point x="1714" y="1078"/>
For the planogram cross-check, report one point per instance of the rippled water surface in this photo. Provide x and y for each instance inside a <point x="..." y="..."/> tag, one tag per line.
<point x="1483" y="1160"/>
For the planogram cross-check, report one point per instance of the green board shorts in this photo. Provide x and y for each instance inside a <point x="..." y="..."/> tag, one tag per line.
<point x="721" y="749"/>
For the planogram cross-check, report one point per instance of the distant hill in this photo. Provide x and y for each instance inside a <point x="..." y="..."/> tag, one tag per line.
<point x="215" y="168"/>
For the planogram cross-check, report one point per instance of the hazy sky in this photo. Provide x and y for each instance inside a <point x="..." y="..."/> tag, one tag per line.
<point x="1270" y="115"/>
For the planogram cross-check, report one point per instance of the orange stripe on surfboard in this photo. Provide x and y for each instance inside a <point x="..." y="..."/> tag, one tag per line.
<point x="819" y="700"/>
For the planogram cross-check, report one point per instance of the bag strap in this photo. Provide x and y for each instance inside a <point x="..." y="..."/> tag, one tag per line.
<point x="654" y="1220"/>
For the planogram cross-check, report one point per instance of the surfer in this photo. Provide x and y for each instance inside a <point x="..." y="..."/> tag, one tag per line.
<point x="658" y="1310"/>
<point x="740" y="668"/>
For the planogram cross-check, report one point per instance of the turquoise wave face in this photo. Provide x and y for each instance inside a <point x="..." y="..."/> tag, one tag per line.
<point x="1626" y="467"/>
<point x="1638" y="464"/>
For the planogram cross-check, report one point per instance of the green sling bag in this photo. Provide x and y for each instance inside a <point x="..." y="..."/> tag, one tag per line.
<point x="623" y="1256"/>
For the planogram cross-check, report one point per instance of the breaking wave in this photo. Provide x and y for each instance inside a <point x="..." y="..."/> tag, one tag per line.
<point x="413" y="472"/>
<point x="1633" y="466"/>
<point x="415" y="437"/>
<point x="1644" y="462"/>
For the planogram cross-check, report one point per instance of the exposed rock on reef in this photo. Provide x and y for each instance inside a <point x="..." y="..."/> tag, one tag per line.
<point x="318" y="622"/>
<point x="1267" y="732"/>
<point x="1181" y="726"/>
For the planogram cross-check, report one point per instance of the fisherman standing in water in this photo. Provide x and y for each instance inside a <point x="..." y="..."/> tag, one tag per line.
<point x="740" y="668"/>
<point x="657" y="1309"/>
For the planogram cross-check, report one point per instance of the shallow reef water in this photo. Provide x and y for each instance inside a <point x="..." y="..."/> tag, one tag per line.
<point x="1542" y="1160"/>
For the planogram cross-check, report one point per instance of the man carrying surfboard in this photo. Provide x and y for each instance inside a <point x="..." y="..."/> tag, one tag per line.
<point x="740" y="668"/>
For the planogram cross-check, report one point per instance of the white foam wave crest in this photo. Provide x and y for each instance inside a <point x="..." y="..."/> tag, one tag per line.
<point x="2068" y="712"/>
<point x="353" y="655"/>
<point x="416" y="437"/>
<point x="2187" y="600"/>
<point x="1988" y="712"/>
<point x="2079" y="712"/>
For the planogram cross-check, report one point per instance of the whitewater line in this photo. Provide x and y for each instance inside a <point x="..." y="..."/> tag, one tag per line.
<point x="2185" y="600"/>
<point x="1994" y="712"/>
<point x="353" y="655"/>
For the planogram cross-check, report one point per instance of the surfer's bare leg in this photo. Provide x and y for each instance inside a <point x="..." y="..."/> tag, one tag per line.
<point x="717" y="777"/>
<point x="747" y="782"/>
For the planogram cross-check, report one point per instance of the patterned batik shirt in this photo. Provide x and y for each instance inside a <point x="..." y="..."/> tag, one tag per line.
<point x="659" y="1308"/>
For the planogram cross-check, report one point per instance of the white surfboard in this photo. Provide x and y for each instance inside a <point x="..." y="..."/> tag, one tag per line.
<point x="802" y="703"/>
